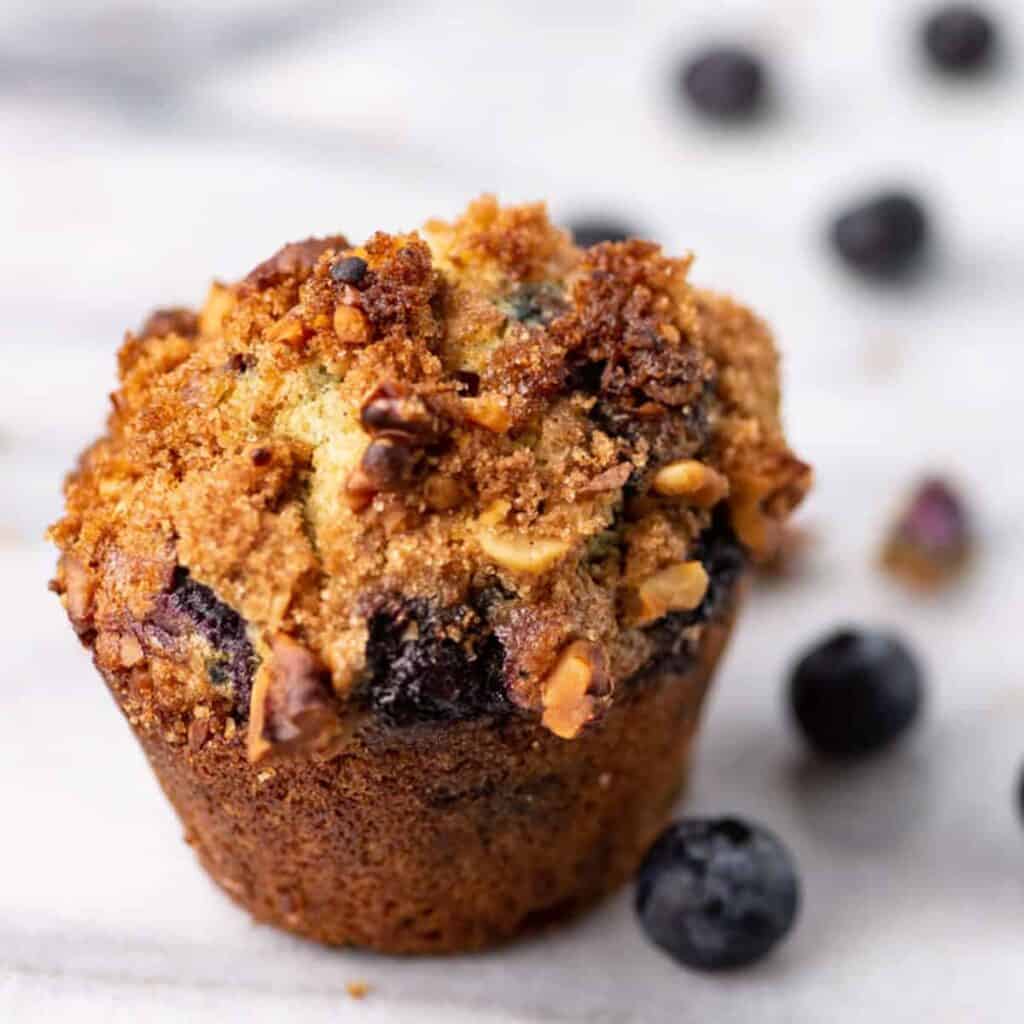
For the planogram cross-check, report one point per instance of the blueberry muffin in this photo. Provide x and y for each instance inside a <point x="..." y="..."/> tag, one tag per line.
<point x="409" y="563"/>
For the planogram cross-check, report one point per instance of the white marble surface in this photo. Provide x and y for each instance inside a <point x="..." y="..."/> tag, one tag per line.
<point x="148" y="146"/>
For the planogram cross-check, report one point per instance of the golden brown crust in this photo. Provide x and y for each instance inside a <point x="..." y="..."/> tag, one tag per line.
<point x="537" y="390"/>
<point x="435" y="841"/>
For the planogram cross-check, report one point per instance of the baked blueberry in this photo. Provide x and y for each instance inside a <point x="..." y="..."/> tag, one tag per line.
<point x="190" y="605"/>
<point x="883" y="236"/>
<point x="959" y="38"/>
<point x="588" y="231"/>
<point x="725" y="82"/>
<point x="419" y="674"/>
<point x="717" y="893"/>
<point x="856" y="692"/>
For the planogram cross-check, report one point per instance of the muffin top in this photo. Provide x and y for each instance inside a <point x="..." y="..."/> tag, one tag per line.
<point x="469" y="470"/>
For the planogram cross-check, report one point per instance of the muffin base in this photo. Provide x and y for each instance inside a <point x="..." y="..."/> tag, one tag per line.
<point x="441" y="838"/>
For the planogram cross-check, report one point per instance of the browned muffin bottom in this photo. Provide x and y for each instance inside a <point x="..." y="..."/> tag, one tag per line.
<point x="431" y="840"/>
<point x="381" y="515"/>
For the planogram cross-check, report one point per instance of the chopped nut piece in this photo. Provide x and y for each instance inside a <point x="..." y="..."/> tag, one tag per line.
<point x="519" y="553"/>
<point x="79" y="588"/>
<point x="287" y="331"/>
<point x="395" y="411"/>
<point x="699" y="484"/>
<point x="442" y="493"/>
<point x="494" y="513"/>
<point x="930" y="542"/>
<point x="576" y="690"/>
<point x="760" y="503"/>
<point x="130" y="650"/>
<point x="679" y="588"/>
<point x="219" y="302"/>
<point x="292" y="709"/>
<point x="388" y="465"/>
<point x="357" y="989"/>
<point x="351" y="326"/>
<point x="490" y="411"/>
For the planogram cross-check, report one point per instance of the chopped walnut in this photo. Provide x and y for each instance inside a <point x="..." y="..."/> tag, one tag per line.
<point x="293" y="709"/>
<point x="351" y="326"/>
<point x="288" y="330"/>
<point x="699" y="484"/>
<point x="576" y="690"/>
<point x="394" y="411"/>
<point x="533" y="555"/>
<point x="489" y="411"/>
<point x="760" y="502"/>
<point x="79" y="590"/>
<point x="679" y="588"/>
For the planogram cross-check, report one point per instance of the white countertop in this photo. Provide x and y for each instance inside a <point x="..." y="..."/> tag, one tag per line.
<point x="129" y="177"/>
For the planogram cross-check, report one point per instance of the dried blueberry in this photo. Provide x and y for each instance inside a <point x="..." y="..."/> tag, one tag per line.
<point x="883" y="237"/>
<point x="348" y="270"/>
<point x="856" y="692"/>
<point x="417" y="671"/>
<point x="588" y="231"/>
<point x="959" y="38"/>
<point x="717" y="893"/>
<point x="724" y="82"/>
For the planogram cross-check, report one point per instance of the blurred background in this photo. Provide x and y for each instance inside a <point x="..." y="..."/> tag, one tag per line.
<point x="150" y="146"/>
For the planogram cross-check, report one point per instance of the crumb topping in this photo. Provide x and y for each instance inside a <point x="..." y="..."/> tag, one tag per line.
<point x="478" y="452"/>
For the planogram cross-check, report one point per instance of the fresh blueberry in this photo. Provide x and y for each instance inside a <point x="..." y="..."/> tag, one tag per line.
<point x="717" y="893"/>
<point x="959" y="38"/>
<point x="588" y="231"/>
<point x="348" y="270"/>
<point x="856" y="692"/>
<point x="883" y="237"/>
<point x="725" y="82"/>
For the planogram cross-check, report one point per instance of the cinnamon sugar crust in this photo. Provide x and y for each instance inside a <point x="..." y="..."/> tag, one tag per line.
<point x="432" y="476"/>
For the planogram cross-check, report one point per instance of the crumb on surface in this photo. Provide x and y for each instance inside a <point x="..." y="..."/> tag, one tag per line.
<point x="358" y="989"/>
